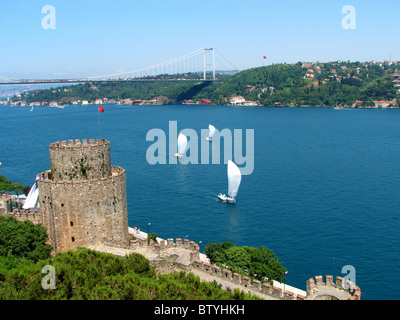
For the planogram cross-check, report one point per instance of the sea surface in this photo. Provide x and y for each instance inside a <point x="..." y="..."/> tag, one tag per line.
<point x="324" y="193"/>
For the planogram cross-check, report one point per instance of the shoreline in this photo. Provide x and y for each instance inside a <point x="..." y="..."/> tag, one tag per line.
<point x="205" y="105"/>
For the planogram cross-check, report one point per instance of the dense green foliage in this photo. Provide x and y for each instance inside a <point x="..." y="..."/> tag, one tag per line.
<point x="333" y="83"/>
<point x="7" y="185"/>
<point x="258" y="263"/>
<point x="23" y="239"/>
<point x="89" y="275"/>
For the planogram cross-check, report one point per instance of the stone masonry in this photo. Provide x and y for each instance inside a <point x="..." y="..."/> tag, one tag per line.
<point x="82" y="197"/>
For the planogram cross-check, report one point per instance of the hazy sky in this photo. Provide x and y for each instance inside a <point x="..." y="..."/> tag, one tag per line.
<point x="95" y="37"/>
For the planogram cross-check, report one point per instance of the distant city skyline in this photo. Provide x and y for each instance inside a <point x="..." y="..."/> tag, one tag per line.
<point x="89" y="38"/>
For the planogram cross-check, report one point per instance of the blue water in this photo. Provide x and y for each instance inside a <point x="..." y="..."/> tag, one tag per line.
<point x="324" y="193"/>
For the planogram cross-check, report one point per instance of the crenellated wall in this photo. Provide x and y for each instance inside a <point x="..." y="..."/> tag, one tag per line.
<point x="318" y="289"/>
<point x="158" y="248"/>
<point x="26" y="215"/>
<point x="247" y="282"/>
<point x="195" y="262"/>
<point x="76" y="160"/>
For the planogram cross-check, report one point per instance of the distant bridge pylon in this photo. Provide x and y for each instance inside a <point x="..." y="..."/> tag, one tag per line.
<point x="198" y="65"/>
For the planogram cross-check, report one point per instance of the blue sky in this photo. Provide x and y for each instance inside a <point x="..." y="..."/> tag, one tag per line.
<point x="102" y="36"/>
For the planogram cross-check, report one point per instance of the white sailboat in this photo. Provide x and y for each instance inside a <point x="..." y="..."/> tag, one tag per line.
<point x="32" y="198"/>
<point x="182" y="144"/>
<point x="211" y="132"/>
<point x="234" y="179"/>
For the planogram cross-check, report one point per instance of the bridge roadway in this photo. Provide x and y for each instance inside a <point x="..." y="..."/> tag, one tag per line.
<point x="66" y="81"/>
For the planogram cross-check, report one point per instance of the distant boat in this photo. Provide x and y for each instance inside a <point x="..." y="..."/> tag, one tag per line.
<point x="31" y="109"/>
<point x="32" y="198"/>
<point x="182" y="144"/>
<point x="60" y="107"/>
<point x="211" y="132"/>
<point x="234" y="179"/>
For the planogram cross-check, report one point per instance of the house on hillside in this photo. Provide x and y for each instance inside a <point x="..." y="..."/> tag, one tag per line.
<point x="310" y="74"/>
<point x="237" y="100"/>
<point x="381" y="104"/>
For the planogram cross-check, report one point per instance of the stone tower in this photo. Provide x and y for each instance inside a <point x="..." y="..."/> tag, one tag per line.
<point x="82" y="197"/>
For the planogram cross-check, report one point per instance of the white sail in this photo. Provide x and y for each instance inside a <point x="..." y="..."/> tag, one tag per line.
<point x="182" y="144"/>
<point x="234" y="179"/>
<point x="32" y="198"/>
<point x="211" y="129"/>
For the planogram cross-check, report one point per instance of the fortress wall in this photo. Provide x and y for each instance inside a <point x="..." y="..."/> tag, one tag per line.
<point x="26" y="215"/>
<point x="247" y="282"/>
<point x="317" y="288"/>
<point x="81" y="212"/>
<point x="76" y="160"/>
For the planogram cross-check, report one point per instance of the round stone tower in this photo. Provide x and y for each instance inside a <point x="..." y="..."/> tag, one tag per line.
<point x="82" y="197"/>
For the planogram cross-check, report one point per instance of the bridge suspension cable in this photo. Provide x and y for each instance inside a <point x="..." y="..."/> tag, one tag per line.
<point x="151" y="68"/>
<point x="196" y="65"/>
<point x="188" y="63"/>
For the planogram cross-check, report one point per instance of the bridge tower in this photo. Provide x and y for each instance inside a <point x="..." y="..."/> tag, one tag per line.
<point x="208" y="62"/>
<point x="82" y="197"/>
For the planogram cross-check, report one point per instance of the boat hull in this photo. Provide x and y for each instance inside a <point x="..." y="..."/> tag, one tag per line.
<point x="226" y="198"/>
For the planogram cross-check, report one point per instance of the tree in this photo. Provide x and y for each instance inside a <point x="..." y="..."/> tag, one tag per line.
<point x="90" y="275"/>
<point x="216" y="251"/>
<point x="7" y="185"/>
<point x="258" y="263"/>
<point x="23" y="239"/>
<point x="264" y="263"/>
<point x="237" y="258"/>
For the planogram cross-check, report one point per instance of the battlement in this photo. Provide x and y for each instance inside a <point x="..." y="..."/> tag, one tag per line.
<point x="318" y="289"/>
<point x="70" y="144"/>
<point x="80" y="160"/>
<point x="26" y="215"/>
<point x="247" y="282"/>
<point x="191" y="246"/>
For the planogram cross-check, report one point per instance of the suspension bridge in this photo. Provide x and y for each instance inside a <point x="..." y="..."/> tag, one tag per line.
<point x="199" y="65"/>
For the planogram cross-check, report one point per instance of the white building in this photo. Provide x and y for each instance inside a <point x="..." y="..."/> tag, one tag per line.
<point x="237" y="100"/>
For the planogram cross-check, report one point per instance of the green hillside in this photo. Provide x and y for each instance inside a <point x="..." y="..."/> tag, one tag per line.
<point x="315" y="84"/>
